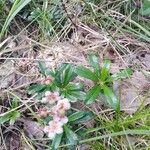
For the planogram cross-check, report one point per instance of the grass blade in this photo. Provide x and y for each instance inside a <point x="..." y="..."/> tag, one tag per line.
<point x="17" y="6"/>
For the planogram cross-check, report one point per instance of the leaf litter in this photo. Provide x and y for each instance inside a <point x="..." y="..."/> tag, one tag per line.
<point x="133" y="92"/>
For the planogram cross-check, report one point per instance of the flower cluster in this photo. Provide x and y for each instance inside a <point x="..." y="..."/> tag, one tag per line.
<point x="47" y="80"/>
<point x="58" y="112"/>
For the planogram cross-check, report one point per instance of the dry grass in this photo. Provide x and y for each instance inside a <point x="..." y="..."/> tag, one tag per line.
<point x="20" y="53"/>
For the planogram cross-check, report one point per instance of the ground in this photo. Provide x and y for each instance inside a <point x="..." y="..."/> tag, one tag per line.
<point x="67" y="32"/>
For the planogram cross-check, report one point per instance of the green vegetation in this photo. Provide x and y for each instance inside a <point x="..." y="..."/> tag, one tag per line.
<point x="110" y="35"/>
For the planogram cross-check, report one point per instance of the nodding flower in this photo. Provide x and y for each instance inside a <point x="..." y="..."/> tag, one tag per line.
<point x="53" y="128"/>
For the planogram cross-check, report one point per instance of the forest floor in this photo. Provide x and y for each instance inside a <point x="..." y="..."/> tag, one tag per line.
<point x="60" y="32"/>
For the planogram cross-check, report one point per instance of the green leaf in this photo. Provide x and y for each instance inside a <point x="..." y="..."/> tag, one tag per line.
<point x="80" y="117"/>
<point x="88" y="116"/>
<point x="74" y="87"/>
<point x="74" y="92"/>
<point x="71" y="136"/>
<point x="14" y="116"/>
<point x="11" y="117"/>
<point x="60" y="69"/>
<point x="75" y="116"/>
<point x="36" y="88"/>
<point x="105" y="70"/>
<point x="145" y="9"/>
<point x="56" y="142"/>
<point x="64" y="74"/>
<point x="17" y="6"/>
<point x="92" y="94"/>
<point x="68" y="74"/>
<point x="86" y="73"/>
<point x="94" y="61"/>
<point x="78" y="94"/>
<point x="112" y="100"/>
<point x="121" y="75"/>
<point x="74" y="96"/>
<point x="44" y="70"/>
<point x="5" y="118"/>
<point x="42" y="67"/>
<point x="14" y="103"/>
<point x="69" y="97"/>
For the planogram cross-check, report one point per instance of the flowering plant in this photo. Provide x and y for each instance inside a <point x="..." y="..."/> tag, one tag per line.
<point x="57" y="91"/>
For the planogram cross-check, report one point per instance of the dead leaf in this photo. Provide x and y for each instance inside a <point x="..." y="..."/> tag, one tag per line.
<point x="144" y="59"/>
<point x="134" y="92"/>
<point x="6" y="74"/>
<point x="32" y="128"/>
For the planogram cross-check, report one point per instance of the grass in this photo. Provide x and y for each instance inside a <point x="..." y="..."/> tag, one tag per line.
<point x="116" y="25"/>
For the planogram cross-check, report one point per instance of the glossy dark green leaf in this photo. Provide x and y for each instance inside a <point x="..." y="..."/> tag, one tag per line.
<point x="121" y="75"/>
<point x="112" y="100"/>
<point x="75" y="116"/>
<point x="145" y="8"/>
<point x="68" y="74"/>
<point x="11" y="117"/>
<point x="60" y="69"/>
<point x="14" y="103"/>
<point x="5" y="118"/>
<point x="92" y="94"/>
<point x="64" y="74"/>
<point x="14" y="116"/>
<point x="94" y="61"/>
<point x="74" y="96"/>
<point x="86" y="73"/>
<point x="80" y="95"/>
<point x="87" y="117"/>
<point x="105" y="70"/>
<point x="71" y="136"/>
<point x="36" y="88"/>
<point x="82" y="118"/>
<point x="42" y="67"/>
<point x="74" y="86"/>
<point x="69" y="97"/>
<point x="56" y="142"/>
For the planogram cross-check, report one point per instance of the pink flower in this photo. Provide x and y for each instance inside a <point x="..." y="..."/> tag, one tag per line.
<point x="44" y="100"/>
<point x="51" y="97"/>
<point x="43" y="112"/>
<point x="64" y="104"/>
<point x="59" y="110"/>
<point x="63" y="120"/>
<point x="48" y="80"/>
<point x="53" y="129"/>
<point x="56" y="111"/>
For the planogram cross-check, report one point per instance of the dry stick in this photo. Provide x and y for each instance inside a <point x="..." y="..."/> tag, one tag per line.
<point x="26" y="141"/>
<point x="14" y="49"/>
<point x="21" y="86"/>
<point x="24" y="103"/>
<point x="2" y="43"/>
<point x="105" y="49"/>
<point x="28" y="107"/>
<point x="65" y="9"/>
<point x="2" y="138"/>
<point x="31" y="59"/>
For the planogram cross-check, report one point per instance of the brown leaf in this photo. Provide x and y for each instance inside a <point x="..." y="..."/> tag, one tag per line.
<point x="134" y="92"/>
<point x="144" y="59"/>
<point x="33" y="128"/>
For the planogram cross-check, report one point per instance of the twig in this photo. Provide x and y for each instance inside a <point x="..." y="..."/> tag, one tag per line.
<point x="65" y="9"/>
